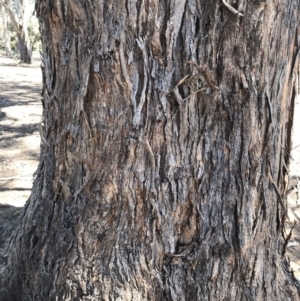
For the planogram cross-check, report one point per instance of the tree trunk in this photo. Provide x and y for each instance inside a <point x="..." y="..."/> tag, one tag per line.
<point x="24" y="47"/>
<point x="24" y="44"/>
<point x="165" y="145"/>
<point x="6" y="33"/>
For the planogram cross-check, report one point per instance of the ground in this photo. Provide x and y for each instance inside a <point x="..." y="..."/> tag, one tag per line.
<point x="20" y="116"/>
<point x="293" y="250"/>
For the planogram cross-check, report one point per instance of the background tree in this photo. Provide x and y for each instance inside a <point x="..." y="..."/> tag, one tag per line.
<point x="6" y="33"/>
<point x="166" y="139"/>
<point x="19" y="15"/>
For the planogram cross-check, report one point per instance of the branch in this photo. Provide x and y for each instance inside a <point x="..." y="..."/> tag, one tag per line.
<point x="206" y="73"/>
<point x="13" y="17"/>
<point x="232" y="9"/>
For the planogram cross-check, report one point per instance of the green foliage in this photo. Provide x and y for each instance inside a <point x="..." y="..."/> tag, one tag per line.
<point x="34" y="34"/>
<point x="13" y="38"/>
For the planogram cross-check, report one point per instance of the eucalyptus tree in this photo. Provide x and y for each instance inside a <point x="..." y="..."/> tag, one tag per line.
<point x="165" y="146"/>
<point x="18" y="11"/>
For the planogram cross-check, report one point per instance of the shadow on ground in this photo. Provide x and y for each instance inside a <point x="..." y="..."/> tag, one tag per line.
<point x="20" y="116"/>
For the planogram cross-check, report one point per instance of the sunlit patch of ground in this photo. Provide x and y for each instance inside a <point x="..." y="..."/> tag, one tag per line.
<point x="20" y="115"/>
<point x="293" y="249"/>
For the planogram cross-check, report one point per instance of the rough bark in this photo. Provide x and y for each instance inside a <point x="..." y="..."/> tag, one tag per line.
<point x="165" y="146"/>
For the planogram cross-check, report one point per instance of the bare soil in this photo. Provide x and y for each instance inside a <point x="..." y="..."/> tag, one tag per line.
<point x="293" y="199"/>
<point x="20" y="116"/>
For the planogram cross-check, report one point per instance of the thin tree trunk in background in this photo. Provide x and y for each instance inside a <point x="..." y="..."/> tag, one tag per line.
<point x="24" y="44"/>
<point x="166" y="139"/>
<point x="6" y="33"/>
<point x="19" y="19"/>
<point x="24" y="47"/>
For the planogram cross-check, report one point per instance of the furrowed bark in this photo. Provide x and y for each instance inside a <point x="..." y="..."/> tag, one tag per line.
<point x="166" y="134"/>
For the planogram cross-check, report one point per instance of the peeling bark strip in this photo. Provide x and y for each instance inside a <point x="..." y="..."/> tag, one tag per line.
<point x="166" y="136"/>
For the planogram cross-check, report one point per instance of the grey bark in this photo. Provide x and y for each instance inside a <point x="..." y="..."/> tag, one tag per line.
<point x="166" y="139"/>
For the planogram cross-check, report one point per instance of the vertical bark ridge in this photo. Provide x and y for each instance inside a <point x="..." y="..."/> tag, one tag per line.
<point x="160" y="174"/>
